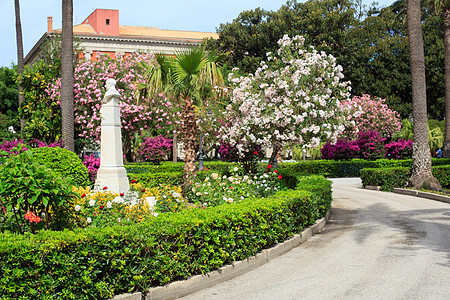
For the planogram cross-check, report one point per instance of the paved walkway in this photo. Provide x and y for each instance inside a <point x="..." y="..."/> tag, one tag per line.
<point x="376" y="245"/>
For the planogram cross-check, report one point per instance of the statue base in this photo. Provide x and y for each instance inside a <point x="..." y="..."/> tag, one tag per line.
<point x="114" y="178"/>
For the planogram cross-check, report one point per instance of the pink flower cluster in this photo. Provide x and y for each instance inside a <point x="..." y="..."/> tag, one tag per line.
<point x="368" y="113"/>
<point x="137" y="115"/>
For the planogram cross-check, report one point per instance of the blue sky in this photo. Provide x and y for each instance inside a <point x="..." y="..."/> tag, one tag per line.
<point x="194" y="15"/>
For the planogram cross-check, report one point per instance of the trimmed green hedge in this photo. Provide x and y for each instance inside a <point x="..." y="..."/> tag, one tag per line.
<point x="64" y="162"/>
<point x="171" y="167"/>
<point x="99" y="263"/>
<point x="351" y="168"/>
<point x="390" y="178"/>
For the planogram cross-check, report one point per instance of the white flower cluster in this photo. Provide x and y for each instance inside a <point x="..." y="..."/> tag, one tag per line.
<point x="293" y="98"/>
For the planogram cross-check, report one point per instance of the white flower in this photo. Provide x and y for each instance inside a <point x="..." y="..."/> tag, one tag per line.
<point x="242" y="197"/>
<point x="11" y="129"/>
<point x="77" y="207"/>
<point x="91" y="202"/>
<point x="151" y="201"/>
<point x="205" y="204"/>
<point x="235" y="169"/>
<point x="118" y="220"/>
<point x="214" y="176"/>
<point x="118" y="199"/>
<point x="89" y="220"/>
<point x="108" y="204"/>
<point x="176" y="195"/>
<point x="155" y="214"/>
<point x="198" y="193"/>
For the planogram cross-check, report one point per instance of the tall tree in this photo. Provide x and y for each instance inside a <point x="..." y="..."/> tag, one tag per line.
<point x="67" y="114"/>
<point x="443" y="7"/>
<point x="421" y="175"/>
<point x="188" y="76"/>
<point x="20" y="60"/>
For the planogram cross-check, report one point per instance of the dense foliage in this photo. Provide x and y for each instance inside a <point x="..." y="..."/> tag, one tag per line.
<point x="64" y="162"/>
<point x="371" y="45"/>
<point x="98" y="264"/>
<point x="389" y="178"/>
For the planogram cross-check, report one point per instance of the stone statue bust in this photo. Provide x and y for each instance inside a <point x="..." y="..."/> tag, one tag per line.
<point x="111" y="91"/>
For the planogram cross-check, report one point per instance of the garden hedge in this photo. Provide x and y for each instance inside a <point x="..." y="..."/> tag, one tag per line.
<point x="389" y="178"/>
<point x="99" y="263"/>
<point x="351" y="168"/>
<point x="64" y="162"/>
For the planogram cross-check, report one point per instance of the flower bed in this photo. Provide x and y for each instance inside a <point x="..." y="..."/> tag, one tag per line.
<point x="101" y="262"/>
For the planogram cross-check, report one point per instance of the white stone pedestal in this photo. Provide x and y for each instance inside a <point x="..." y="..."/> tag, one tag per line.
<point x="112" y="173"/>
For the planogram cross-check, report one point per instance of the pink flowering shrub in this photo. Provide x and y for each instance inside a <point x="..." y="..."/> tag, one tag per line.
<point x="155" y="149"/>
<point x="368" y="113"/>
<point x="137" y="115"/>
<point x="401" y="149"/>
<point x="371" y="145"/>
<point x="11" y="146"/>
<point x="92" y="163"/>
<point x="342" y="150"/>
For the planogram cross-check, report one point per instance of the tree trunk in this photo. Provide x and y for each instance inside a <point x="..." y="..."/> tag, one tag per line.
<point x="446" y="15"/>
<point x="20" y="61"/>
<point x="189" y="128"/>
<point x="67" y="114"/>
<point x="175" y="147"/>
<point x="421" y="175"/>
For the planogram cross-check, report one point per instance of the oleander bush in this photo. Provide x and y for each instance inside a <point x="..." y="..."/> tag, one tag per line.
<point x="97" y="263"/>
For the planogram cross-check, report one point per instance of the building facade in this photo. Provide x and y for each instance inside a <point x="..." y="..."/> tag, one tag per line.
<point x="101" y="34"/>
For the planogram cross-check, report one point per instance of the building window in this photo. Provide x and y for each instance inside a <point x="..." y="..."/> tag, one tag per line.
<point x="107" y="22"/>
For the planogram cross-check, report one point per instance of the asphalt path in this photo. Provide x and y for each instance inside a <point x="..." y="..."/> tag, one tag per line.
<point x="376" y="245"/>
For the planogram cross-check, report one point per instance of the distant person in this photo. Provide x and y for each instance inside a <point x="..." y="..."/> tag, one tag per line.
<point x="439" y="153"/>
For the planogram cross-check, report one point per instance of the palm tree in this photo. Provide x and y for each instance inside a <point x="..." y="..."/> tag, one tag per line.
<point x="443" y="7"/>
<point x="20" y="61"/>
<point x="67" y="115"/>
<point x="188" y="77"/>
<point x="421" y="175"/>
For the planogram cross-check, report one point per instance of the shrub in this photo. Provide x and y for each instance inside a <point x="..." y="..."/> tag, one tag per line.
<point x="64" y="162"/>
<point x="342" y="150"/>
<point x="99" y="263"/>
<point x="31" y="193"/>
<point x="92" y="164"/>
<point x="390" y="178"/>
<point x="12" y="147"/>
<point x="369" y="113"/>
<point x="371" y="145"/>
<point x="400" y="149"/>
<point x="155" y="149"/>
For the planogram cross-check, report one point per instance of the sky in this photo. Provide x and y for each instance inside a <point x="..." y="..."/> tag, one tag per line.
<point x="190" y="15"/>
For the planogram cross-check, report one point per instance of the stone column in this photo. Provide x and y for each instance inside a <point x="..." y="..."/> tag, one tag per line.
<point x="111" y="173"/>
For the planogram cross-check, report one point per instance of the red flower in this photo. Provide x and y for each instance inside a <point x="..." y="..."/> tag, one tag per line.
<point x="256" y="152"/>
<point x="31" y="217"/>
<point x="133" y="181"/>
<point x="101" y="206"/>
<point x="84" y="195"/>
<point x="279" y="176"/>
<point x="276" y="171"/>
<point x="269" y="166"/>
<point x="143" y="190"/>
<point x="121" y="194"/>
<point x="105" y="188"/>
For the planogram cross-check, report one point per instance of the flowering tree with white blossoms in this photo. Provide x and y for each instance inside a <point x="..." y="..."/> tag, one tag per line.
<point x="292" y="98"/>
